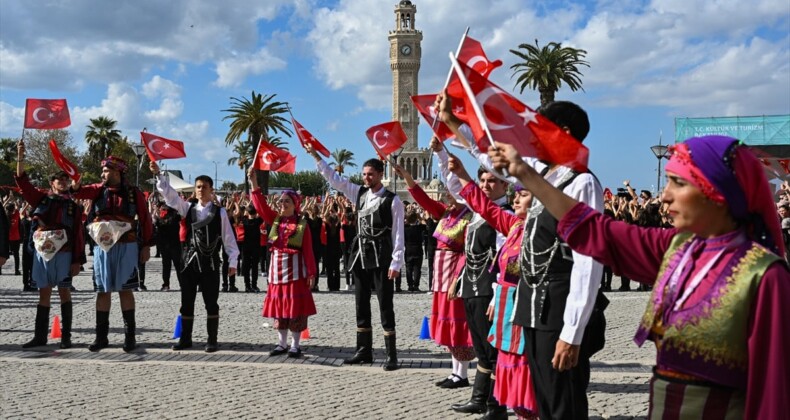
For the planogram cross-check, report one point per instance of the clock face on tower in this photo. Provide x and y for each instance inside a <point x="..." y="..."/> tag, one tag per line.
<point x="406" y="49"/>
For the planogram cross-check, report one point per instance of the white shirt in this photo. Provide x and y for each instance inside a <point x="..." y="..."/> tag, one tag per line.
<point x="586" y="272"/>
<point x="351" y="190"/>
<point x="173" y="200"/>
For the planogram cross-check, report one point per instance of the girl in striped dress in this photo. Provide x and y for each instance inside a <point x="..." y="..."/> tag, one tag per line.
<point x="513" y="387"/>
<point x="291" y="269"/>
<point x="448" y="318"/>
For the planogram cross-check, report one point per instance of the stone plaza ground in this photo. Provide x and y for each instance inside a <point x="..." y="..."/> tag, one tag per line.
<point x="243" y="381"/>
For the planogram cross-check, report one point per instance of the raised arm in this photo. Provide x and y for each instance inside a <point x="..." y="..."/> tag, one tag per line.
<point x="337" y="182"/>
<point x="171" y="197"/>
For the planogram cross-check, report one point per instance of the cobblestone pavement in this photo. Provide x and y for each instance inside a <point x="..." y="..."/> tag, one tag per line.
<point x="242" y="381"/>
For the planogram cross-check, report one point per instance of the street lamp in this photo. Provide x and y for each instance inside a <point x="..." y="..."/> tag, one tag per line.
<point x="660" y="151"/>
<point x="215" y="171"/>
<point x="139" y="151"/>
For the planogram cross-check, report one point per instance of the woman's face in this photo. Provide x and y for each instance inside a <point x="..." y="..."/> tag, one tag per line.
<point x="521" y="203"/>
<point x="287" y="207"/>
<point x="689" y="208"/>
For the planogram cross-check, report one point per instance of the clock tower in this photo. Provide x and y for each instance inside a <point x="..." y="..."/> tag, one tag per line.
<point x="405" y="55"/>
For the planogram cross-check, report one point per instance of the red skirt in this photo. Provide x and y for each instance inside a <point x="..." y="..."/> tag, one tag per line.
<point x="513" y="386"/>
<point x="289" y="300"/>
<point x="448" y="322"/>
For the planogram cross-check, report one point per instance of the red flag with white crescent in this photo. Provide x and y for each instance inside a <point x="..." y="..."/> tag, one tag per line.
<point x="508" y="120"/>
<point x="271" y="158"/>
<point x="159" y="148"/>
<point x="472" y="54"/>
<point x="387" y="138"/>
<point x="424" y="104"/>
<point x="46" y="114"/>
<point x="64" y="163"/>
<point x="306" y="138"/>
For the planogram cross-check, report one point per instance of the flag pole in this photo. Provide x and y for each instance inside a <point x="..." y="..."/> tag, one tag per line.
<point x="447" y="82"/>
<point x="480" y="115"/>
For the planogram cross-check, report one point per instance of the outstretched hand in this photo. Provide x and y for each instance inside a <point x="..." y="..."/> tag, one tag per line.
<point x="154" y="167"/>
<point x="505" y="156"/>
<point x="436" y="144"/>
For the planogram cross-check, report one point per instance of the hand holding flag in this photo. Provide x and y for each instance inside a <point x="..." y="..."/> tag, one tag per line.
<point x="159" y="148"/>
<point x="46" y="114"/>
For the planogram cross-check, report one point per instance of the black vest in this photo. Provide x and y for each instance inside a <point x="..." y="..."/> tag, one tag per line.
<point x="541" y="297"/>
<point x="480" y="250"/>
<point x="203" y="240"/>
<point x="373" y="245"/>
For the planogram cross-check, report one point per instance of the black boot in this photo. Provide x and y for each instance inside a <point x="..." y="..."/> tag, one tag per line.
<point x="392" y="352"/>
<point x="41" y="328"/>
<point x="480" y="392"/>
<point x="66" y="314"/>
<point x="212" y="326"/>
<point x="102" y="329"/>
<point x="364" y="352"/>
<point x="129" y="326"/>
<point x="185" y="341"/>
<point x="494" y="411"/>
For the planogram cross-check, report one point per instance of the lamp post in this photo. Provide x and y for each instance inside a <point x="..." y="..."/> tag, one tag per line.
<point x="215" y="171"/>
<point x="139" y="151"/>
<point x="660" y="151"/>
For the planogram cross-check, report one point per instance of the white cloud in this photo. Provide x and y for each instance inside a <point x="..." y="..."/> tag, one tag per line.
<point x="234" y="70"/>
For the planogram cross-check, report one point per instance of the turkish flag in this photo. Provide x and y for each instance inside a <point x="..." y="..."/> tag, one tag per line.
<point x="424" y="104"/>
<point x="46" y="114"/>
<point x="472" y="54"/>
<point x="510" y="121"/>
<point x="64" y="163"/>
<point x="159" y="148"/>
<point x="306" y="138"/>
<point x="270" y="158"/>
<point x="386" y="138"/>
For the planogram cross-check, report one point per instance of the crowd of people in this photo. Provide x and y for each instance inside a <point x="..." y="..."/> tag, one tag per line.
<point x="518" y="258"/>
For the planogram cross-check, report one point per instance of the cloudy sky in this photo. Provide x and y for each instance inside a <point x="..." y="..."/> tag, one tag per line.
<point x="173" y="66"/>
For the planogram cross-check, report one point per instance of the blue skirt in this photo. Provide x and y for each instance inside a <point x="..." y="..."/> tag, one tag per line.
<point x="54" y="272"/>
<point x="115" y="270"/>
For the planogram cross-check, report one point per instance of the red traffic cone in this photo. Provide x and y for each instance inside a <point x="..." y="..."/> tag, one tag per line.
<point x="305" y="334"/>
<point x="55" y="328"/>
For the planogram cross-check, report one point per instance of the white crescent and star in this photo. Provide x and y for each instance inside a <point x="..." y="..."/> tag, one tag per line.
<point x="153" y="148"/>
<point x="39" y="120"/>
<point x="482" y="98"/>
<point x="376" y="139"/>
<point x="267" y="158"/>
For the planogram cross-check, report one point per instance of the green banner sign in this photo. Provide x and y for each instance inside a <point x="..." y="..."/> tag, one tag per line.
<point x="755" y="131"/>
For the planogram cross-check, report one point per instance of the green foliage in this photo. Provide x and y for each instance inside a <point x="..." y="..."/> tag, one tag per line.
<point x="342" y="159"/>
<point x="39" y="164"/>
<point x="230" y="186"/>
<point x="91" y="168"/>
<point x="102" y="136"/>
<point x="7" y="160"/>
<point x="544" y="69"/>
<point x="310" y="183"/>
<point x="356" y="178"/>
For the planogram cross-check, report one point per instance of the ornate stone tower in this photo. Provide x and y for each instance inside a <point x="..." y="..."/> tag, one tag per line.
<point x="405" y="55"/>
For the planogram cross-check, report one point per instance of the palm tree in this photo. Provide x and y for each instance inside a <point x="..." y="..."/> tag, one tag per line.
<point x="546" y="68"/>
<point x="342" y="158"/>
<point x="257" y="118"/>
<point x="102" y="136"/>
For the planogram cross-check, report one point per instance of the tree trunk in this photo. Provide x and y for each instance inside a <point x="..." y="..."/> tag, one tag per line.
<point x="546" y="96"/>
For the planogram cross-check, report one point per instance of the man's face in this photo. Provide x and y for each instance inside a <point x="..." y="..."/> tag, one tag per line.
<point x="110" y="177"/>
<point x="371" y="177"/>
<point x="783" y="212"/>
<point x="60" y="185"/>
<point x="492" y="187"/>
<point x="203" y="191"/>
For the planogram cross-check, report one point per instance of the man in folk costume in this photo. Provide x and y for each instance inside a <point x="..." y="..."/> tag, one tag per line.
<point x="120" y="224"/>
<point x="59" y="247"/>
<point x="377" y="253"/>
<point x="558" y="303"/>
<point x="207" y="227"/>
<point x="476" y="288"/>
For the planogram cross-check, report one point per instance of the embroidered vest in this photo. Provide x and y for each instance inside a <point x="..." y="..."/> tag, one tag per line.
<point x="295" y="240"/>
<point x="101" y="211"/>
<point x="450" y="229"/>
<point x="709" y="339"/>
<point x="203" y="239"/>
<point x="373" y="244"/>
<point x="480" y="251"/>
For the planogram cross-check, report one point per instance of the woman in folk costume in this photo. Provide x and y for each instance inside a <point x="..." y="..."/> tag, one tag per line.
<point x="717" y="313"/>
<point x="513" y="386"/>
<point x="292" y="269"/>
<point x="448" y="318"/>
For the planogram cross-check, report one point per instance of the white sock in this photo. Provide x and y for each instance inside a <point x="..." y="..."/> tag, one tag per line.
<point x="295" y="337"/>
<point x="455" y="368"/>
<point x="463" y="368"/>
<point x="283" y="337"/>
